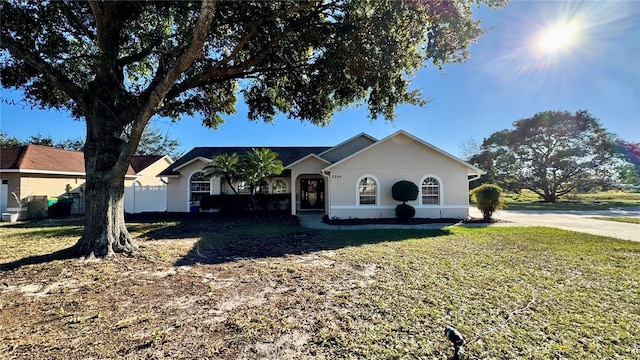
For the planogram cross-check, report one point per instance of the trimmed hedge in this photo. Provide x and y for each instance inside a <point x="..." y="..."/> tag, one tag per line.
<point x="232" y="204"/>
<point x="488" y="199"/>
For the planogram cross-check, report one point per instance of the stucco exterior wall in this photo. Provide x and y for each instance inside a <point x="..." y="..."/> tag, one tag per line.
<point x="148" y="175"/>
<point x="178" y="187"/>
<point x="399" y="158"/>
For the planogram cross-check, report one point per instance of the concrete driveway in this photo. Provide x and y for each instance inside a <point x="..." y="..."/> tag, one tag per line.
<point x="580" y="221"/>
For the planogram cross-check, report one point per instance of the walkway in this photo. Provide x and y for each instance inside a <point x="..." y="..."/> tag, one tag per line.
<point x="580" y="221"/>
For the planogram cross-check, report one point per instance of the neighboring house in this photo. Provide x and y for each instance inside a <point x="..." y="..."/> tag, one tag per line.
<point x="350" y="180"/>
<point x="147" y="168"/>
<point x="34" y="170"/>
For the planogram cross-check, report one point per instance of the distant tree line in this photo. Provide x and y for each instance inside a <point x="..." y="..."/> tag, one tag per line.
<point x="555" y="153"/>
<point x="152" y="142"/>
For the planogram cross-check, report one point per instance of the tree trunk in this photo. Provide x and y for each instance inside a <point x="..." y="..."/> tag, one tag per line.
<point x="106" y="163"/>
<point x="105" y="232"/>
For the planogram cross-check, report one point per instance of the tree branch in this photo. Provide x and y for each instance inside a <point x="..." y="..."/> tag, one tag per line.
<point x="43" y="66"/>
<point x="157" y="95"/>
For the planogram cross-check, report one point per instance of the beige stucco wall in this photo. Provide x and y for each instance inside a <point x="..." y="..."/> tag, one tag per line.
<point x="178" y="187"/>
<point x="148" y="175"/>
<point x="398" y="158"/>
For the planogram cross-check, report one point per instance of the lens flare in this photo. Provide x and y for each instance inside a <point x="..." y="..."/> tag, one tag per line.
<point x="557" y="38"/>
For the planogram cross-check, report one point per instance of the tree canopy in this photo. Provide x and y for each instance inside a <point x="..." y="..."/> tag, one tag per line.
<point x="551" y="154"/>
<point x="116" y="64"/>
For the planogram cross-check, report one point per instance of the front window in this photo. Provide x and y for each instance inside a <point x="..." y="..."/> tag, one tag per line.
<point x="199" y="186"/>
<point x="279" y="187"/>
<point x="243" y="187"/>
<point x="430" y="191"/>
<point x="367" y="191"/>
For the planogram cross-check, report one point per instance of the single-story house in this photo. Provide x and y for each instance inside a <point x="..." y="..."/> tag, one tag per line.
<point x="34" y="170"/>
<point x="350" y="180"/>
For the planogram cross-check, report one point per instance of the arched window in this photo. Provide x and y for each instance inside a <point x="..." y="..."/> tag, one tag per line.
<point x="430" y="191"/>
<point x="279" y="186"/>
<point x="243" y="187"/>
<point x="199" y="186"/>
<point x="367" y="191"/>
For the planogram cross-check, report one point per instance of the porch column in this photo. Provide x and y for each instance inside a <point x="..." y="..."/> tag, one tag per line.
<point x="293" y="193"/>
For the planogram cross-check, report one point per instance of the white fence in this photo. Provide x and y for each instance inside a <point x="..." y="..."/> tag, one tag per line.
<point x="139" y="199"/>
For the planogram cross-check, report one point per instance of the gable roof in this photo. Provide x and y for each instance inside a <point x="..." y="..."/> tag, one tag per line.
<point x="470" y="168"/>
<point x="286" y="154"/>
<point x="141" y="162"/>
<point x="347" y="147"/>
<point x="43" y="159"/>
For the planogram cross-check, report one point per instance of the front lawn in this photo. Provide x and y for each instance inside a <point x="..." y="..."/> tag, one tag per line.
<point x="271" y="289"/>
<point x="527" y="200"/>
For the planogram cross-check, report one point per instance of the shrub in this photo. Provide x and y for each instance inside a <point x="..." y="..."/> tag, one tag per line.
<point x="209" y="202"/>
<point x="405" y="212"/>
<point x="404" y="191"/>
<point x="488" y="198"/>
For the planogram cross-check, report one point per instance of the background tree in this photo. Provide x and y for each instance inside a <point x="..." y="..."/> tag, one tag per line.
<point x="116" y="64"/>
<point x="629" y="153"/>
<point x="152" y="142"/>
<point x="551" y="154"/>
<point x="8" y="141"/>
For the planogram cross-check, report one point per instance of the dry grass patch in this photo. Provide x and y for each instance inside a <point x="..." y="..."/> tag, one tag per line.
<point x="270" y="289"/>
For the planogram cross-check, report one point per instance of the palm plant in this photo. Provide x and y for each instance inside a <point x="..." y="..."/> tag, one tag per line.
<point x="259" y="164"/>
<point x="224" y="166"/>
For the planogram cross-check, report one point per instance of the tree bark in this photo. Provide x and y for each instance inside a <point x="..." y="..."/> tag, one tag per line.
<point x="105" y="232"/>
<point x="107" y="158"/>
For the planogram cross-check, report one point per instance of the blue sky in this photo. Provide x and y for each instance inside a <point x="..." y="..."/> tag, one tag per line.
<point x="507" y="78"/>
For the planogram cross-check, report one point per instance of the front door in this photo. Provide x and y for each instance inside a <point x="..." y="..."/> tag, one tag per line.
<point x="311" y="194"/>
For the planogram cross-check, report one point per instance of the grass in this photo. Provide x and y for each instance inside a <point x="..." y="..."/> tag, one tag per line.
<point x="275" y="290"/>
<point x="527" y="200"/>
<point x="623" y="219"/>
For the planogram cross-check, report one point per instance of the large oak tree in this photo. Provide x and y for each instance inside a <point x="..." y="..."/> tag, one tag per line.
<point x="116" y="64"/>
<point x="551" y="154"/>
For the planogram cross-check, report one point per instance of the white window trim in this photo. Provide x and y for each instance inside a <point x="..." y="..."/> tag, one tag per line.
<point x="377" y="191"/>
<point x="286" y="183"/>
<point x="440" y="190"/>
<point x="189" y="186"/>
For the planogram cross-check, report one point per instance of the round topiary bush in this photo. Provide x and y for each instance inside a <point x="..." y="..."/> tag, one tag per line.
<point x="405" y="212"/>
<point x="404" y="191"/>
<point x="488" y="198"/>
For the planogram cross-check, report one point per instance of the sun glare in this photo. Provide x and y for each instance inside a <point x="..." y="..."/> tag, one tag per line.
<point x="557" y="38"/>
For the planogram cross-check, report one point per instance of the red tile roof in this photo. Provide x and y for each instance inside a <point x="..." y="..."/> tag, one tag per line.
<point x="44" y="158"/>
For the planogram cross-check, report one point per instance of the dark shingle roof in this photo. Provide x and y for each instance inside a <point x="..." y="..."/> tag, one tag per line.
<point x="141" y="162"/>
<point x="287" y="154"/>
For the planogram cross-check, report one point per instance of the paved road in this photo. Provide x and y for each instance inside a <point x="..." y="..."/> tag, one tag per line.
<point x="580" y="221"/>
